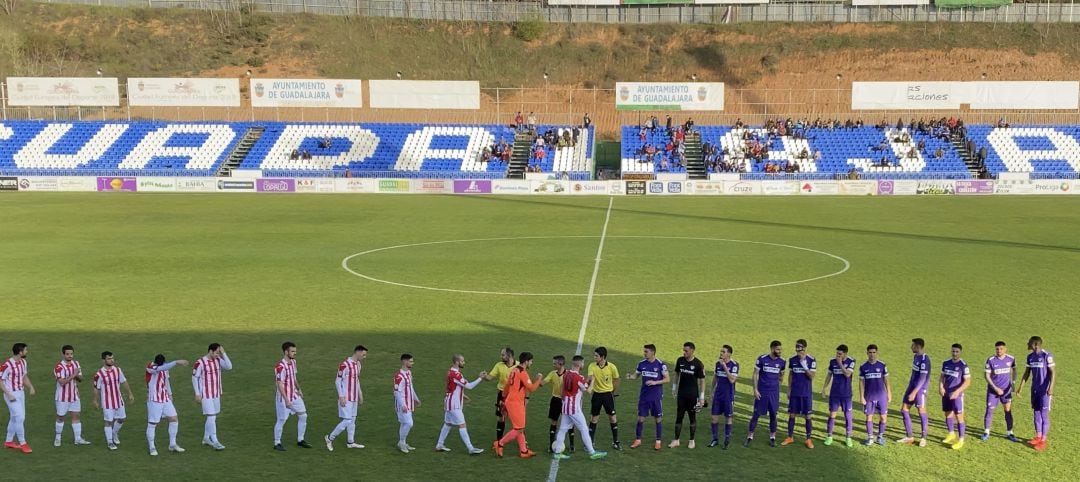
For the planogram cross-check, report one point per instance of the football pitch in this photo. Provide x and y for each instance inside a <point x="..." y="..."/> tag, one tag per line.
<point x="437" y="275"/>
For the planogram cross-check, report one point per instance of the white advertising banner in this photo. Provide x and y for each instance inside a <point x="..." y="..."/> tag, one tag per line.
<point x="616" y="188"/>
<point x="709" y="188"/>
<point x="156" y="184"/>
<point x="742" y="187"/>
<point x="589" y="187"/>
<point x="432" y="186"/>
<point x="318" y="185"/>
<point x="1052" y="186"/>
<point x="196" y="184"/>
<point x="666" y="187"/>
<point x="903" y="95"/>
<point x="669" y="95"/>
<point x="39" y="184"/>
<point x="819" y="188"/>
<point x="1014" y="186"/>
<point x="549" y="187"/>
<point x="510" y="186"/>
<point x="1024" y="95"/>
<point x="77" y="183"/>
<point x="356" y="185"/>
<point x="887" y="3"/>
<point x="780" y="188"/>
<point x="858" y="188"/>
<point x="424" y="94"/>
<point x="905" y="188"/>
<point x="306" y="93"/>
<point x="63" y="91"/>
<point x="180" y="92"/>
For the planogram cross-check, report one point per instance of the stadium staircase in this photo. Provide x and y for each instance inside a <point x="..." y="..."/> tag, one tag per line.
<point x="967" y="156"/>
<point x="695" y="162"/>
<point x="240" y="151"/>
<point x="519" y="160"/>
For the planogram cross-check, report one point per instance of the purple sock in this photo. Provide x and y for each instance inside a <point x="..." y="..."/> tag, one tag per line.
<point x="637" y="430"/>
<point x="849" y="423"/>
<point x="925" y="423"/>
<point x="809" y="428"/>
<point x="772" y="425"/>
<point x="963" y="429"/>
<point x="988" y="418"/>
<point x="1008" y="420"/>
<point x="1038" y="423"/>
<point x="754" y="417"/>
<point x="869" y="429"/>
<point x="715" y="430"/>
<point x="907" y="422"/>
<point x="881" y="428"/>
<point x="790" y="426"/>
<point x="659" y="430"/>
<point x="727" y="432"/>
<point x="829" y="426"/>
<point x="950" y="423"/>
<point x="1046" y="421"/>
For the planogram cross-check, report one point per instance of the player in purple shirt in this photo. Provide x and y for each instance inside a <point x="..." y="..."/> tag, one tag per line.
<point x="915" y="395"/>
<point x="1040" y="367"/>
<point x="723" y="402"/>
<point x="768" y="373"/>
<point x="654" y="374"/>
<point x="1000" y="373"/>
<point x="800" y="392"/>
<point x="841" y="369"/>
<point x="875" y="392"/>
<point x="955" y="378"/>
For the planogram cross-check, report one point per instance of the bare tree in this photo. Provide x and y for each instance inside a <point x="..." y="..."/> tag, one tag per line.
<point x="8" y="6"/>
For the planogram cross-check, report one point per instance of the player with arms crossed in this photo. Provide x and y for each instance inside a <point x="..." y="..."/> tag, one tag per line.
<point x="800" y="392"/>
<point x="13" y="379"/>
<point x="206" y="380"/>
<point x="288" y="398"/>
<point x="654" y="374"/>
<point x="68" y="374"/>
<point x="501" y="371"/>
<point x="1000" y="374"/>
<point x="1040" y="367"/>
<point x="689" y="392"/>
<point x="605" y="383"/>
<point x="349" y="397"/>
<point x="768" y="372"/>
<point x="406" y="401"/>
<point x="838" y="387"/>
<point x="954" y="380"/>
<point x="554" y="378"/>
<point x="159" y="403"/>
<point x="915" y="395"/>
<point x="107" y="383"/>
<point x="454" y="404"/>
<point x="518" y="387"/>
<point x="723" y="387"/>
<point x="875" y="392"/>
<point x="574" y="389"/>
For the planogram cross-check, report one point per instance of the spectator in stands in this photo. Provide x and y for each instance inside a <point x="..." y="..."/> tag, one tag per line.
<point x="539" y="142"/>
<point x="981" y="155"/>
<point x="1002" y="124"/>
<point x="519" y="122"/>
<point x="564" y="140"/>
<point x="306" y="155"/>
<point x="641" y="134"/>
<point x="738" y="123"/>
<point x="667" y="124"/>
<point x="689" y="125"/>
<point x="882" y="146"/>
<point x="294" y="155"/>
<point x="576" y="132"/>
<point x="325" y="142"/>
<point x="532" y="121"/>
<point x="912" y="153"/>
<point x="817" y="155"/>
<point x="586" y="121"/>
<point x="506" y="153"/>
<point x="922" y="145"/>
<point x="938" y="153"/>
<point x="680" y="136"/>
<point x="853" y="175"/>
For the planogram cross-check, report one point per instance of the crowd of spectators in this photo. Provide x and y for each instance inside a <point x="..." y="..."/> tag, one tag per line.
<point x="670" y="153"/>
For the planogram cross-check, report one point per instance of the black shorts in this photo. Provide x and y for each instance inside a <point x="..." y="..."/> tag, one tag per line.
<point x="555" y="408"/>
<point x="686" y="406"/>
<point x="499" y="404"/>
<point x="604" y="400"/>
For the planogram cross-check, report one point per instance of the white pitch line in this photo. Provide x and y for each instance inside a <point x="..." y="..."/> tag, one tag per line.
<point x="553" y="472"/>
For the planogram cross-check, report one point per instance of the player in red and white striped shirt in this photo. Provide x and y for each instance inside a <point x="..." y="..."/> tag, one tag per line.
<point x="159" y="403"/>
<point x="575" y="387"/>
<point x="68" y="375"/>
<point x="12" y="379"/>
<point x="107" y="383"/>
<point x="288" y="398"/>
<point x="405" y="401"/>
<point x="206" y="380"/>
<point x="349" y="397"/>
<point x="453" y="404"/>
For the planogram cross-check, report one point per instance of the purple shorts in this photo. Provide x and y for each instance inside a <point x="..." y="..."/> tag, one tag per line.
<point x="839" y="404"/>
<point x="1040" y="401"/>
<point x="920" y="397"/>
<point x="723" y="407"/>
<point x="650" y="408"/>
<point x="769" y="403"/>
<point x="876" y="405"/>
<point x="993" y="399"/>
<point x="800" y="405"/>
<point x="948" y="405"/>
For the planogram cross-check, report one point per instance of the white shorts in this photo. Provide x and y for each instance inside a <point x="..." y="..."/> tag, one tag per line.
<point x="284" y="412"/>
<point x="348" y="411"/>
<point x="114" y="413"/>
<point x="64" y="408"/>
<point x="156" y="411"/>
<point x="18" y="407"/>
<point x="404" y="417"/>
<point x="454" y="417"/>
<point x="211" y="406"/>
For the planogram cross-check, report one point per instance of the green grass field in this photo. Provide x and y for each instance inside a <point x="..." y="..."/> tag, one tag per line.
<point x="143" y="274"/>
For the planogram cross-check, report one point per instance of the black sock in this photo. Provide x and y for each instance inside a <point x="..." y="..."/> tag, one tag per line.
<point x="693" y="430"/>
<point x="678" y="431"/>
<point x="615" y="433"/>
<point x="571" y="438"/>
<point x="551" y="436"/>
<point x="592" y="431"/>
<point x="499" y="429"/>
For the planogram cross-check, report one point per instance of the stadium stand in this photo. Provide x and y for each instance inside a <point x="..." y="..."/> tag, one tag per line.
<point x="1046" y="152"/>
<point x="142" y="148"/>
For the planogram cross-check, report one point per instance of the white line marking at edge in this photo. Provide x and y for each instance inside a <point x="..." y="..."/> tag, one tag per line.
<point x="553" y="473"/>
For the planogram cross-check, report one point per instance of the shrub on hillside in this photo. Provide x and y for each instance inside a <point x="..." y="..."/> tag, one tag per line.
<point x="529" y="30"/>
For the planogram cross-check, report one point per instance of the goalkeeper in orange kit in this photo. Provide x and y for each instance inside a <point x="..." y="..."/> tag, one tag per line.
<point x="518" y="386"/>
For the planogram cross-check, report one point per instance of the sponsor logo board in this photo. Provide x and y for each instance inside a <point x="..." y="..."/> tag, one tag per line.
<point x="936" y="187"/>
<point x="157" y="184"/>
<point x="974" y="187"/>
<point x="819" y="188"/>
<point x="886" y="188"/>
<point x="905" y="188"/>
<point x="39" y="184"/>
<point x="859" y="188"/>
<point x="77" y="183"/>
<point x="589" y="187"/>
<point x="195" y="184"/>
<point x="510" y="186"/>
<point x="431" y="186"/>
<point x="704" y="187"/>
<point x="549" y="187"/>
<point x="394" y="185"/>
<point x="235" y="186"/>
<point x="780" y="188"/>
<point x="117" y="184"/>
<point x="615" y="188"/>
<point x="742" y="188"/>
<point x="471" y="186"/>
<point x="275" y="185"/>
<point x="1051" y="186"/>
<point x="636" y="188"/>
<point x="315" y="185"/>
<point x="9" y="184"/>
<point x="356" y="185"/>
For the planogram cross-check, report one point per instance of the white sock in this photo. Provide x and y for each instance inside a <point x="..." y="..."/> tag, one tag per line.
<point x="10" y="430"/>
<point x="278" y="427"/>
<point x="403" y="432"/>
<point x="301" y="427"/>
<point x="77" y="428"/>
<point x="20" y="432"/>
<point x="340" y="427"/>
<point x="173" y="428"/>
<point x="108" y="434"/>
<point x="351" y="430"/>
<point x="442" y="435"/>
<point x="151" y="433"/>
<point x="59" y="429"/>
<point x="208" y="429"/>
<point x="117" y="425"/>
<point x="465" y="438"/>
